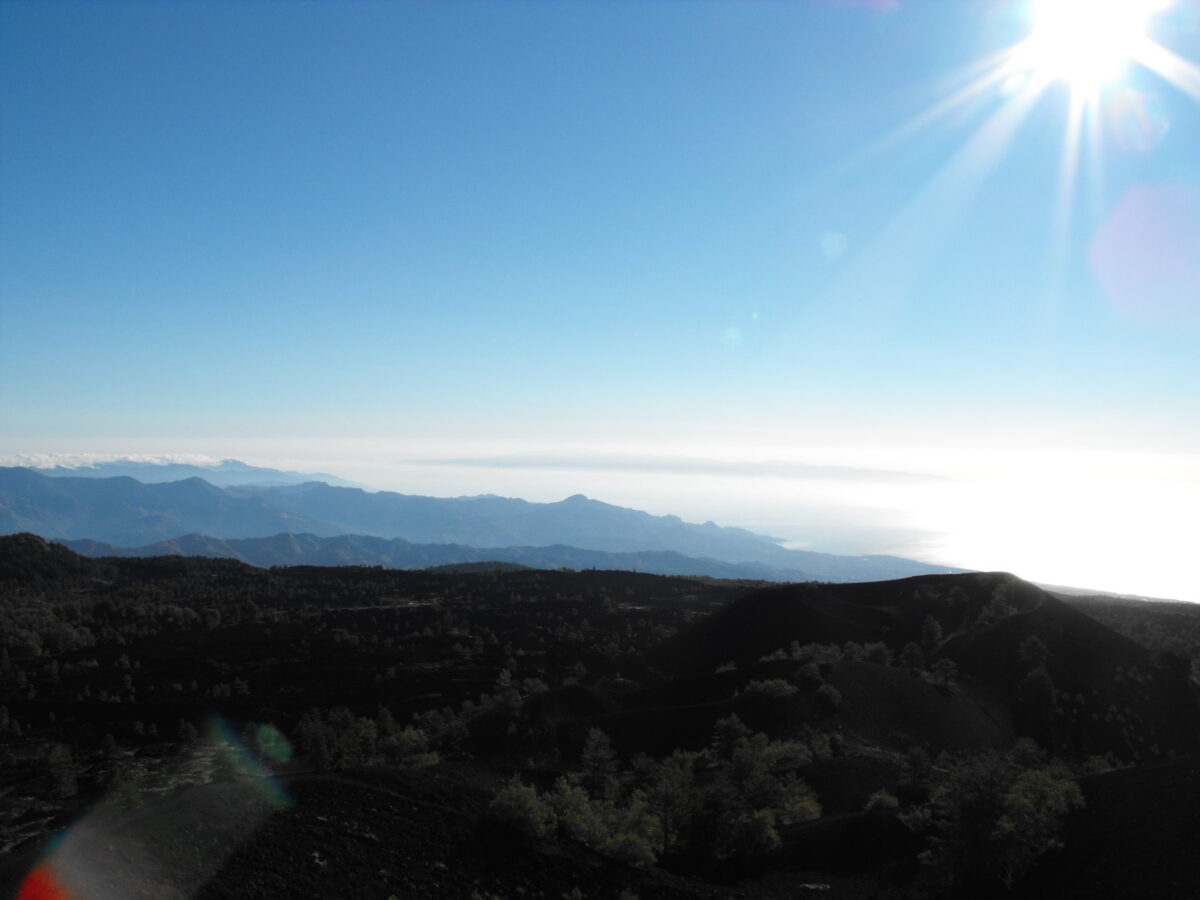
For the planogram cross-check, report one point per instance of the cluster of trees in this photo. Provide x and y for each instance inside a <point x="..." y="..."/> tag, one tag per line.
<point x="725" y="802"/>
<point x="1170" y="631"/>
<point x="131" y="647"/>
<point x="986" y="816"/>
<point x="818" y="660"/>
<point x="80" y="603"/>
<point x="338" y="739"/>
<point x="993" y="814"/>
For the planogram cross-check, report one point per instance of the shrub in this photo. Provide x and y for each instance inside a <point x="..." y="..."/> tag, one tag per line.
<point x="829" y="697"/>
<point x="809" y="672"/>
<point x="631" y="849"/>
<point x="775" y="688"/>
<point x="878" y="653"/>
<point x="577" y="818"/>
<point x="752" y="835"/>
<point x="944" y="672"/>
<point x="519" y="807"/>
<point x="409" y="747"/>
<point x="853" y="651"/>
<point x="881" y="799"/>
<point x="798" y="803"/>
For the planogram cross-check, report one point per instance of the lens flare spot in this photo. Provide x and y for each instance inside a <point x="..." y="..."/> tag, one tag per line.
<point x="1136" y="120"/>
<point x="42" y="885"/>
<point x="243" y="761"/>
<point x="274" y="744"/>
<point x="1145" y="254"/>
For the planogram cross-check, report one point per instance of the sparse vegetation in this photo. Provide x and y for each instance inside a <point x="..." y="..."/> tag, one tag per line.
<point x="579" y="711"/>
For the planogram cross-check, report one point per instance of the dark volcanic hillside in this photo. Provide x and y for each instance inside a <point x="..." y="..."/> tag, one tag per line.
<point x="889" y="611"/>
<point x="362" y="731"/>
<point x="996" y="630"/>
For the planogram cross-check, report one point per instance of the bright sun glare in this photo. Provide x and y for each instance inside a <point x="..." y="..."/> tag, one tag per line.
<point x="1088" y="46"/>
<point x="1086" y="43"/>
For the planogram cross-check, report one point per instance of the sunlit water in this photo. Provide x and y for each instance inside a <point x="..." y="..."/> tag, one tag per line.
<point x="1110" y="521"/>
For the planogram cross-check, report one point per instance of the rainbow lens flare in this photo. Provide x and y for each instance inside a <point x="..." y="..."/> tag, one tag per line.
<point x="172" y="839"/>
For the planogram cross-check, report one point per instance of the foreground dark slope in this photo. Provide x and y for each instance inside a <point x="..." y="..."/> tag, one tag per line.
<point x="1139" y="825"/>
<point x="507" y="672"/>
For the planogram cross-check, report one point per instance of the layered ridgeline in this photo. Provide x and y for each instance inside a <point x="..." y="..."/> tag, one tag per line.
<point x="223" y="473"/>
<point x="360" y="550"/>
<point x="126" y="513"/>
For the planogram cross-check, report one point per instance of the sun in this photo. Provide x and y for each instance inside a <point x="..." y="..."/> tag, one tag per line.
<point x="1086" y="43"/>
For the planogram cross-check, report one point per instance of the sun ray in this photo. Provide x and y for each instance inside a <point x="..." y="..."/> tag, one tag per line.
<point x="911" y="238"/>
<point x="1180" y="72"/>
<point x="1082" y="47"/>
<point x="1068" y="170"/>
<point x="1065" y="200"/>
<point x="985" y="75"/>
<point x="981" y="78"/>
<point x="1095" y="146"/>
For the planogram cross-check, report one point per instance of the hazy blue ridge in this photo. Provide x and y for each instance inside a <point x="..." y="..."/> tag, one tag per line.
<point x="501" y="522"/>
<point x="226" y="473"/>
<point x="311" y="550"/>
<point x="126" y="513"/>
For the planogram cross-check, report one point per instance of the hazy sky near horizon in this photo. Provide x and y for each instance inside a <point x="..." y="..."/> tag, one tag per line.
<point x="352" y="235"/>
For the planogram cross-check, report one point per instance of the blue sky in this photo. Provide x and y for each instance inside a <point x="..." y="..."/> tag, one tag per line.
<point x="359" y="233"/>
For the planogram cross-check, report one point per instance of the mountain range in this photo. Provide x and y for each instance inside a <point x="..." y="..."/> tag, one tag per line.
<point x="223" y="473"/>
<point x="362" y="550"/>
<point x="127" y="513"/>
